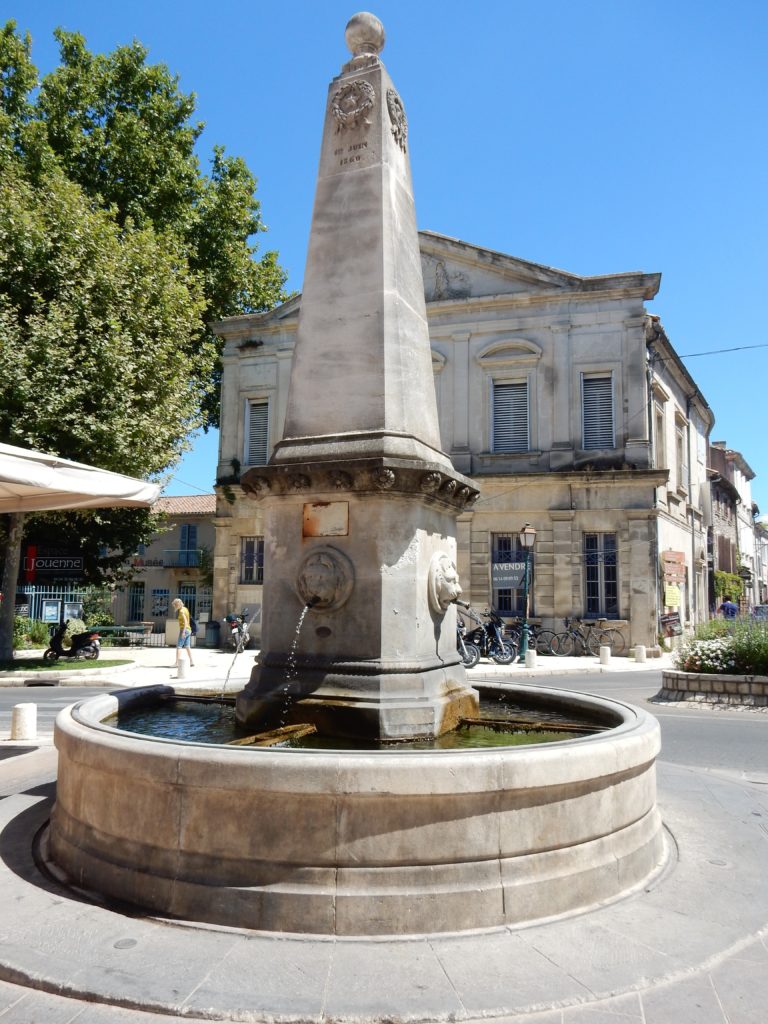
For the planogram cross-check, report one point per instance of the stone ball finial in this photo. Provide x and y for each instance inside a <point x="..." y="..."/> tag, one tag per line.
<point x="364" y="34"/>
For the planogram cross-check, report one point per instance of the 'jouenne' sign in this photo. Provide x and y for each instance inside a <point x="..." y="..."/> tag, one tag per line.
<point x="51" y="563"/>
<point x="54" y="563"/>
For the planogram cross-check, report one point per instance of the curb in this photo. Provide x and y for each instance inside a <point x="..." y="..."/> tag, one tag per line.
<point x="69" y="678"/>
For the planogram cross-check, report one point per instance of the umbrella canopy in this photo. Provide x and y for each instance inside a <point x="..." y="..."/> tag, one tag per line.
<point x="32" y="481"/>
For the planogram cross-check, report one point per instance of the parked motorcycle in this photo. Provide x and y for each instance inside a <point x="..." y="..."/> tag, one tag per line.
<point x="239" y="637"/>
<point x="489" y="637"/>
<point x="470" y="654"/>
<point x="84" y="645"/>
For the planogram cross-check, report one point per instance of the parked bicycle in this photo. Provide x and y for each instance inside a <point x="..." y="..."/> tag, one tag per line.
<point x="539" y="640"/>
<point x="580" y="637"/>
<point x="489" y="636"/>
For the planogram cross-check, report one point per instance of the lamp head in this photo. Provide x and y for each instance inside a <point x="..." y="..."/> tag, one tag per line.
<point x="527" y="537"/>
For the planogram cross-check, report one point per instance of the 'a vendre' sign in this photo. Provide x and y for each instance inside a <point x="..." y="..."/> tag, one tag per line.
<point x="507" y="575"/>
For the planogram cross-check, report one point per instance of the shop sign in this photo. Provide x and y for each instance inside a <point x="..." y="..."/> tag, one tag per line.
<point x="54" y="563"/>
<point x="672" y="595"/>
<point x="673" y="566"/>
<point x="670" y="624"/>
<point x="50" y="562"/>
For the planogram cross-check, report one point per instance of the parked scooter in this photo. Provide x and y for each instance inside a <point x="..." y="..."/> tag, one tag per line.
<point x="84" y="645"/>
<point x="239" y="637"/>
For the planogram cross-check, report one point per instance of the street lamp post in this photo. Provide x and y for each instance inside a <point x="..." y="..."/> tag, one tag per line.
<point x="527" y="540"/>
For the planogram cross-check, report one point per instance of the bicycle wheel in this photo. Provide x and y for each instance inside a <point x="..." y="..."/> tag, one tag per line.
<point x="543" y="641"/>
<point x="614" y="639"/>
<point x="562" y="645"/>
<point x="595" y="640"/>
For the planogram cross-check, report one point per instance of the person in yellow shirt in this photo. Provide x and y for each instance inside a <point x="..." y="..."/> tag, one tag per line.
<point x="185" y="631"/>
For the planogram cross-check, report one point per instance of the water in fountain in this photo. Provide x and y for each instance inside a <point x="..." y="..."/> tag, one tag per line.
<point x="291" y="671"/>
<point x="502" y="722"/>
<point x="238" y="649"/>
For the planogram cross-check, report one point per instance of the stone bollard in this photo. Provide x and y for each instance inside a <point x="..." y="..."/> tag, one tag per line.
<point x="605" y="655"/>
<point x="24" y="722"/>
<point x="640" y="654"/>
<point x="182" y="670"/>
<point x="530" y="658"/>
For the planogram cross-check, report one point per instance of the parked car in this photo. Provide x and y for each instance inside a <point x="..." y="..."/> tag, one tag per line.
<point x="760" y="611"/>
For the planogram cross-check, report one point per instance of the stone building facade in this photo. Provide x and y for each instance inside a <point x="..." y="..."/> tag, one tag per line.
<point x="176" y="563"/>
<point x="734" y="540"/>
<point x="566" y="404"/>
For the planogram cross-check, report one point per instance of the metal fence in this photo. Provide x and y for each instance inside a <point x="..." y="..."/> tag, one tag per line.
<point x="126" y="606"/>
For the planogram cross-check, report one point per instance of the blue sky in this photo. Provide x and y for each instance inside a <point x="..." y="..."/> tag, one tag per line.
<point x="597" y="137"/>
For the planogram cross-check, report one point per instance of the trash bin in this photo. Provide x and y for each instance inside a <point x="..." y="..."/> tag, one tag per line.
<point x="212" y="633"/>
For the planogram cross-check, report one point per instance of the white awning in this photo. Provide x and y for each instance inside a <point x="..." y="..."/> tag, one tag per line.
<point x="32" y="481"/>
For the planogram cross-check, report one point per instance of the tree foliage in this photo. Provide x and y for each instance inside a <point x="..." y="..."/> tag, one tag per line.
<point x="101" y="357"/>
<point x="122" y="131"/>
<point x="116" y="251"/>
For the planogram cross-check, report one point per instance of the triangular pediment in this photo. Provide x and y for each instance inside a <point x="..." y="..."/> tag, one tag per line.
<point x="456" y="270"/>
<point x="453" y="269"/>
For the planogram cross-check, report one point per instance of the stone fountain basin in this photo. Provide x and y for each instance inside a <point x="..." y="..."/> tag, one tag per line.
<point x="347" y="843"/>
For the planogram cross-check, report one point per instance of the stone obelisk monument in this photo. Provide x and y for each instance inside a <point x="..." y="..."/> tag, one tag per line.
<point x="359" y="500"/>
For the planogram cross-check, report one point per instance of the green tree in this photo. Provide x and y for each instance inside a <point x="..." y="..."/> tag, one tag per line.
<point x="123" y="130"/>
<point x="115" y="253"/>
<point x="99" y="356"/>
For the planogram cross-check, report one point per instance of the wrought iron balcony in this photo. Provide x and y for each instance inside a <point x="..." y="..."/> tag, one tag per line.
<point x="182" y="558"/>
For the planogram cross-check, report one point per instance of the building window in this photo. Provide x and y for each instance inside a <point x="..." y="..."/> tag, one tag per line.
<point x="506" y="600"/>
<point x="682" y="461"/>
<point x="510" y="417"/>
<point x="597" y="410"/>
<point x="661" y="448"/>
<point x="136" y="602"/>
<point x="252" y="560"/>
<point x="601" y="578"/>
<point x="189" y="555"/>
<point x="257" y="434"/>
<point x="160" y="603"/>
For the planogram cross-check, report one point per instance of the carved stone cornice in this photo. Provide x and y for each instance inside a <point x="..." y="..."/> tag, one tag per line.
<point x="432" y="483"/>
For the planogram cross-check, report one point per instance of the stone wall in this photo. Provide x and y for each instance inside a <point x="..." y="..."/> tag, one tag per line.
<point x="706" y="688"/>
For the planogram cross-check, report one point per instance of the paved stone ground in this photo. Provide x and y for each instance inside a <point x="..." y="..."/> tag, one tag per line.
<point x="156" y="665"/>
<point x="690" y="948"/>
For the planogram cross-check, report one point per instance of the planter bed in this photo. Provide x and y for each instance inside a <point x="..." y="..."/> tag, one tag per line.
<point x="711" y="688"/>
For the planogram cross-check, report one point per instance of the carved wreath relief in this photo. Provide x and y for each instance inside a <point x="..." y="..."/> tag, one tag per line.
<point x="442" y="582"/>
<point x="399" y="122"/>
<point x="351" y="103"/>
<point x="325" y="579"/>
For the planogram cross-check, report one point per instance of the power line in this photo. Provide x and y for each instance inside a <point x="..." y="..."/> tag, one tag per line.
<point x="185" y="483"/>
<point x="719" y="351"/>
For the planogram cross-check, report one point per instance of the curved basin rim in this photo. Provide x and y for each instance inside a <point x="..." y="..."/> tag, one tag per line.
<point x="630" y="717"/>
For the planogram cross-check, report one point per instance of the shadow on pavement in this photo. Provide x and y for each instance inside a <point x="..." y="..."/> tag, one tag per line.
<point x="6" y="752"/>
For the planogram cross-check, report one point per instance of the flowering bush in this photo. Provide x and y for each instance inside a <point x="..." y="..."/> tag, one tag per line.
<point x="717" y="656"/>
<point x="739" y="648"/>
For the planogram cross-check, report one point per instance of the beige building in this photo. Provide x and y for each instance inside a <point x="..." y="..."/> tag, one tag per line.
<point x="736" y="540"/>
<point x="176" y="563"/>
<point x="563" y="400"/>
